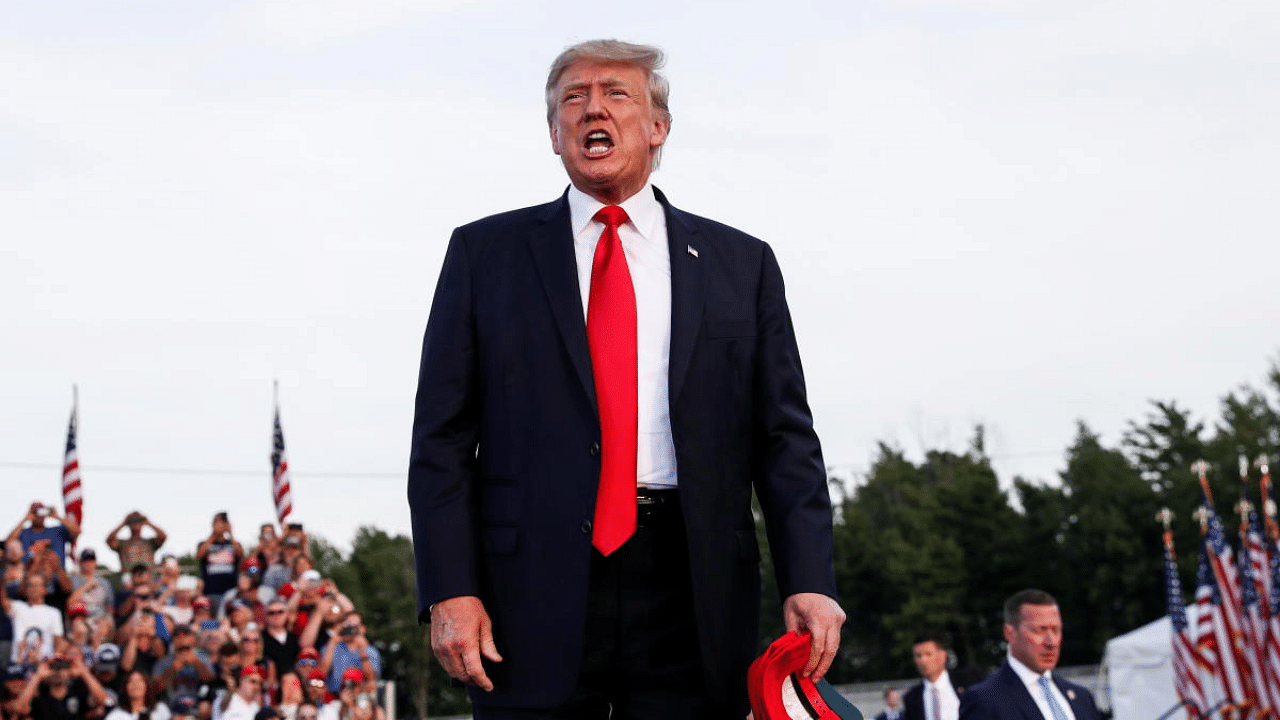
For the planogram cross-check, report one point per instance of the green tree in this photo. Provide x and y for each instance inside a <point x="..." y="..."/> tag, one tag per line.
<point x="1111" y="547"/>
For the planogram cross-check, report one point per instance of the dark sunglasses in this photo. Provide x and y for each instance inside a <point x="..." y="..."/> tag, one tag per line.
<point x="141" y="596"/>
<point x="275" y="612"/>
<point x="307" y="716"/>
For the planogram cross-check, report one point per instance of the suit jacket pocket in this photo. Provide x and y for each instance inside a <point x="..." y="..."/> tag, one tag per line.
<point x="498" y="539"/>
<point x="748" y="546"/>
<point x="721" y="329"/>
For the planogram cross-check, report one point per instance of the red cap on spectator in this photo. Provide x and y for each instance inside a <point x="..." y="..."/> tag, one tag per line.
<point x="200" y="602"/>
<point x="251" y="670"/>
<point x="251" y="563"/>
<point x="352" y="674"/>
<point x="285" y="591"/>
<point x="309" y="653"/>
<point x="77" y="609"/>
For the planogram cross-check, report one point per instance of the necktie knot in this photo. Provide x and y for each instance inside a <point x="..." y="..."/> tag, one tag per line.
<point x="611" y="215"/>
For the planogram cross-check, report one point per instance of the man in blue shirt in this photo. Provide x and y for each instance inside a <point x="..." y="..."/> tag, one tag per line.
<point x="349" y="648"/>
<point x="57" y="535"/>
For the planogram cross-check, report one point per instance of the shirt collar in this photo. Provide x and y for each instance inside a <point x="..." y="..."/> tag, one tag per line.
<point x="643" y="209"/>
<point x="942" y="680"/>
<point x="1028" y="676"/>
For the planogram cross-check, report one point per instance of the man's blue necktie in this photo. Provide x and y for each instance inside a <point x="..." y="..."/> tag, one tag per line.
<point x="1054" y="707"/>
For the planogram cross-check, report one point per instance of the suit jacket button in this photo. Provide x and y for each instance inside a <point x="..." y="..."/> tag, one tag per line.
<point x="586" y="526"/>
<point x="594" y="449"/>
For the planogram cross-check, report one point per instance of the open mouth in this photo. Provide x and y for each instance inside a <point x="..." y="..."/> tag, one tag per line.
<point x="598" y="143"/>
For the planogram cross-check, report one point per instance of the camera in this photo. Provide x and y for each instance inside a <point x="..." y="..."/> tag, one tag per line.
<point x="59" y="663"/>
<point x="348" y="631"/>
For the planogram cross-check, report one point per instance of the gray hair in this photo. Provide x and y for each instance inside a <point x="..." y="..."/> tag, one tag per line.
<point x="646" y="57"/>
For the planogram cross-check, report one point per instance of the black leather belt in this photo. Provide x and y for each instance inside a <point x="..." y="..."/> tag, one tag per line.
<point x="657" y="507"/>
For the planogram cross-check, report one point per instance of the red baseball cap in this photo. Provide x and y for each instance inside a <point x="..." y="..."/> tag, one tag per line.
<point x="200" y="602"/>
<point x="77" y="609"/>
<point x="352" y="674"/>
<point x="251" y="670"/>
<point x="779" y="692"/>
<point x="309" y="653"/>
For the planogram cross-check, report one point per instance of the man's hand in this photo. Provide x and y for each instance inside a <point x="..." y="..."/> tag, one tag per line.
<point x="821" y="617"/>
<point x="461" y="632"/>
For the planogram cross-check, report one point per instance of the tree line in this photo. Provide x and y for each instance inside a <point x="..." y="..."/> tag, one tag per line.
<point x="937" y="545"/>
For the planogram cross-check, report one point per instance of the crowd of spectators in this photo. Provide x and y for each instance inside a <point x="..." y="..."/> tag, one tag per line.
<point x="243" y="635"/>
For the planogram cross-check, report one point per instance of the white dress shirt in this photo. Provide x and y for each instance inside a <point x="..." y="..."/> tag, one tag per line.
<point x="644" y="243"/>
<point x="948" y="701"/>
<point x="1031" y="679"/>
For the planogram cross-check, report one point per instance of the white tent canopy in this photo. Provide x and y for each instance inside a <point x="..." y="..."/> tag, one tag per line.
<point x="1139" y="668"/>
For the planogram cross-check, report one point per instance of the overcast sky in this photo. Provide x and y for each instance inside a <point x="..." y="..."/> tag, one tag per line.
<point x="1009" y="212"/>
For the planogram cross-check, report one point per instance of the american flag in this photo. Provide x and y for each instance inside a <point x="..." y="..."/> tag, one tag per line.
<point x="1208" y="615"/>
<point x="280" y="493"/>
<point x="1229" y="618"/>
<point x="72" y="493"/>
<point x="1253" y="599"/>
<point x="1185" y="677"/>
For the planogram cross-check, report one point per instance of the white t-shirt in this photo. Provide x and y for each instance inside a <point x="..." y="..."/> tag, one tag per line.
<point x="159" y="712"/>
<point x="34" y="624"/>
<point x="238" y="709"/>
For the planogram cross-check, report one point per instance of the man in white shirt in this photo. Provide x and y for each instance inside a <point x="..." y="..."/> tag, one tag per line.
<point x="605" y="380"/>
<point x="35" y="624"/>
<point x="1024" y="687"/>
<point x="245" y="702"/>
<point x="937" y="696"/>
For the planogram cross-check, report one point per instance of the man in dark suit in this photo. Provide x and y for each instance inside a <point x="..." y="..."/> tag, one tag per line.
<point x="937" y="695"/>
<point x="604" y="380"/>
<point x="1025" y="687"/>
<point x="892" y="705"/>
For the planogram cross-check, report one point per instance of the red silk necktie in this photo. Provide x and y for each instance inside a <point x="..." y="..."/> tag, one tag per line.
<point x="611" y="335"/>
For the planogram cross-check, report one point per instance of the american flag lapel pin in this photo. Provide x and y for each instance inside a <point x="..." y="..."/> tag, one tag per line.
<point x="692" y="251"/>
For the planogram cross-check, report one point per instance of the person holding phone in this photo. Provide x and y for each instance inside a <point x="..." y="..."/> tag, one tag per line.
<point x="61" y="688"/>
<point x="136" y="548"/>
<point x="350" y="649"/>
<point x="219" y="555"/>
<point x="34" y="527"/>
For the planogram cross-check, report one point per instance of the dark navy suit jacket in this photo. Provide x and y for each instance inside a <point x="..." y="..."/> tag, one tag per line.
<point x="1003" y="696"/>
<point x="505" y="459"/>
<point x="913" y="699"/>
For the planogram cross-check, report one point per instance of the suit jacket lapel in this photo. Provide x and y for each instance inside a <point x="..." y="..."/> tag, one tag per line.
<point x="687" y="292"/>
<point x="1072" y="698"/>
<point x="1019" y="694"/>
<point x="551" y="245"/>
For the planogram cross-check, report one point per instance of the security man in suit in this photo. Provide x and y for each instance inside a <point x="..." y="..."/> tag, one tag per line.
<point x="937" y="695"/>
<point x="1025" y="687"/>
<point x="604" y="381"/>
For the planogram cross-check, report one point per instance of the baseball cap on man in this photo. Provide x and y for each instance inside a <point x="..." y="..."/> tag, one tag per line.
<point x="184" y="704"/>
<point x="107" y="657"/>
<point x="779" y="692"/>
